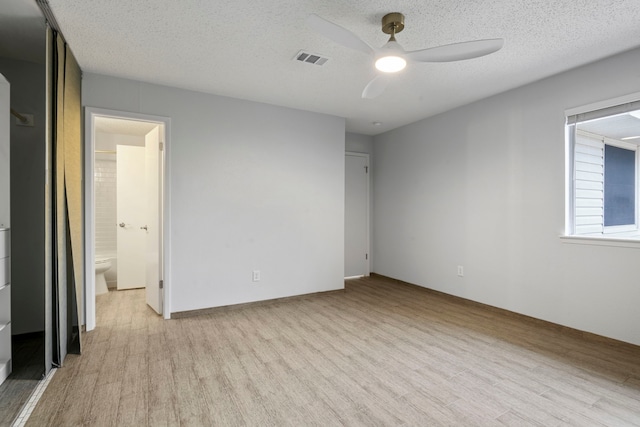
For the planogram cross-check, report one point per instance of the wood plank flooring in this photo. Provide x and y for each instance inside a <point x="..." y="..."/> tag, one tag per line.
<point x="381" y="353"/>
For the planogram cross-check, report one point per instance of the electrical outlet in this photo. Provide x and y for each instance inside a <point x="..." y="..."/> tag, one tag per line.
<point x="460" y="271"/>
<point x="256" y="275"/>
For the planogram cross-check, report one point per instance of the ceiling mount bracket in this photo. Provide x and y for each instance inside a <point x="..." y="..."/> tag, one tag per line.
<point x="392" y="23"/>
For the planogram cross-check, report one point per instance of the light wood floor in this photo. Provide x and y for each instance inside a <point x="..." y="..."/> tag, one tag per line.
<point x="380" y="353"/>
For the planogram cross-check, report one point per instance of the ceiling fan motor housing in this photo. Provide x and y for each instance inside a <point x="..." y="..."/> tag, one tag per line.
<point x="392" y="23"/>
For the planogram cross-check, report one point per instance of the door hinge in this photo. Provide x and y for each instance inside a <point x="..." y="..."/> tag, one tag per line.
<point x="161" y="284"/>
<point x="161" y="146"/>
<point x="366" y="256"/>
<point x="366" y="169"/>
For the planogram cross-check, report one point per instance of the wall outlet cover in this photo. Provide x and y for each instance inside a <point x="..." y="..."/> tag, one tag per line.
<point x="29" y="121"/>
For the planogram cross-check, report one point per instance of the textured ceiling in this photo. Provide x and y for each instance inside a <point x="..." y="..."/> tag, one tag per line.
<point x="244" y="48"/>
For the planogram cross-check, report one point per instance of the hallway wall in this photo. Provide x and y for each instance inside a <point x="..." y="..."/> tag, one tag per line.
<point x="253" y="187"/>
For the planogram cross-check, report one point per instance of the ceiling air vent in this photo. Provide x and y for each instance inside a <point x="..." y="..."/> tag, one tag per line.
<point x="310" y="58"/>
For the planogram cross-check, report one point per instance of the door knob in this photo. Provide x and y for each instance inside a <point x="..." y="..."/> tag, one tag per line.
<point x="144" y="228"/>
<point x="121" y="224"/>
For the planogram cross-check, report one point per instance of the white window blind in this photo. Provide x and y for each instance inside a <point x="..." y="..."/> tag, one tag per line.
<point x="589" y="184"/>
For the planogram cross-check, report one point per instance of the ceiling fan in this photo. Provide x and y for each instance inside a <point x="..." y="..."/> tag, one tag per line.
<point x="391" y="57"/>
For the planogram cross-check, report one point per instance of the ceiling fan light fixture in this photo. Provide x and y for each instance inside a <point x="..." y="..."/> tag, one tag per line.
<point x="391" y="64"/>
<point x="391" y="57"/>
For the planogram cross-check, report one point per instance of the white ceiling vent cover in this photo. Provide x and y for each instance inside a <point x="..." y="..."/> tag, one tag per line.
<point x="310" y="58"/>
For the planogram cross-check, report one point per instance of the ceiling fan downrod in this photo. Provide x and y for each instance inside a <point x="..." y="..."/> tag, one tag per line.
<point x="392" y="23"/>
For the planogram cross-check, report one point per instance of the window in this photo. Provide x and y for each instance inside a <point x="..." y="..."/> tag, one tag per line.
<point x="605" y="187"/>
<point x="619" y="186"/>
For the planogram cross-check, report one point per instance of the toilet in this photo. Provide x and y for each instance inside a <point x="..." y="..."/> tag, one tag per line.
<point x="102" y="265"/>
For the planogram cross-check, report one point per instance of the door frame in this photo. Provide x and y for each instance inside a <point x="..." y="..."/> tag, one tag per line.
<point x="369" y="177"/>
<point x="90" y="114"/>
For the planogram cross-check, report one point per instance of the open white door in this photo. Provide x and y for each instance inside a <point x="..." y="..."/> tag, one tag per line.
<point x="130" y="213"/>
<point x="153" y="210"/>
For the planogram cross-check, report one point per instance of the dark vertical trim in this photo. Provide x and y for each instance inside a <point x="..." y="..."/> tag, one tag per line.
<point x="59" y="333"/>
<point x="51" y="307"/>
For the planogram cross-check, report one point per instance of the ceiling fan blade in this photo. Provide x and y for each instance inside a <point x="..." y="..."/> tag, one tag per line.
<point x="376" y="87"/>
<point x="337" y="33"/>
<point x="456" y="51"/>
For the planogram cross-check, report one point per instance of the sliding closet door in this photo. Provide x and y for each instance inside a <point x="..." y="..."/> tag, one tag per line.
<point x="68" y="196"/>
<point x="73" y="174"/>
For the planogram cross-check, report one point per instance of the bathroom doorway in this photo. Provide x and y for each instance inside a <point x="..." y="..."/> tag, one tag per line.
<point x="126" y="209"/>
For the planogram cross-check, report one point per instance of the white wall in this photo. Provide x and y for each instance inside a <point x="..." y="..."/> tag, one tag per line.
<point x="482" y="186"/>
<point x="358" y="143"/>
<point x="253" y="187"/>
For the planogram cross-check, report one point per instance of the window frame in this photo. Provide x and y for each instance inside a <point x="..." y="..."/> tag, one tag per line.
<point x="618" y="236"/>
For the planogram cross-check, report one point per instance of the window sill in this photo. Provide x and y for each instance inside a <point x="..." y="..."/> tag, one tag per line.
<point x="619" y="242"/>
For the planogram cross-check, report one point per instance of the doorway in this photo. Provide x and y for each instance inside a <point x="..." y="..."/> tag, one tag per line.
<point x="356" y="218"/>
<point x="126" y="209"/>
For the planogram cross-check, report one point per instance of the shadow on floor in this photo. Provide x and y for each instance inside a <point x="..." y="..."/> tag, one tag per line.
<point x="28" y="370"/>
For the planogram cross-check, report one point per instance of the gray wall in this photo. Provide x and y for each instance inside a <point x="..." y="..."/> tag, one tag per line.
<point x="27" y="196"/>
<point x="253" y="187"/>
<point x="483" y="186"/>
<point x="358" y="143"/>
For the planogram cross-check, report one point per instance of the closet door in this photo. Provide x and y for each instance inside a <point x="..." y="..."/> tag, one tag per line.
<point x="5" y="246"/>
<point x="5" y="306"/>
<point x="356" y="221"/>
